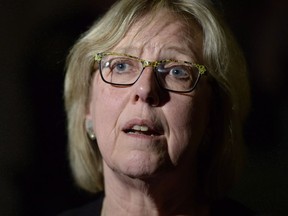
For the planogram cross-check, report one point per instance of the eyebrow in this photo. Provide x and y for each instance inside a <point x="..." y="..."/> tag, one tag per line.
<point x="182" y="51"/>
<point x="172" y="52"/>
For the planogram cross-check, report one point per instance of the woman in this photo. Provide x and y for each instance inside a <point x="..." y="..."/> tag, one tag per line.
<point x="156" y="94"/>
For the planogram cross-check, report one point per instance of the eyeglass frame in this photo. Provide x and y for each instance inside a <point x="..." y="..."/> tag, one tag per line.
<point x="145" y="63"/>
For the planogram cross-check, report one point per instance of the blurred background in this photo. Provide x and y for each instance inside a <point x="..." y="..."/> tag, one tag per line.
<point x="35" y="38"/>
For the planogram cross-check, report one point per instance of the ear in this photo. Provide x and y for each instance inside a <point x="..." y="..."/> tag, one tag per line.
<point x="89" y="122"/>
<point x="89" y="112"/>
<point x="89" y="128"/>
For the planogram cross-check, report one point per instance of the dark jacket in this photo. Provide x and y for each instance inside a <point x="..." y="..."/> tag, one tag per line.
<point x="225" y="207"/>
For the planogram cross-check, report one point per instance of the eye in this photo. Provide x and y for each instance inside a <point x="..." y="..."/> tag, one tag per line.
<point x="174" y="71"/>
<point x="179" y="72"/>
<point x="121" y="65"/>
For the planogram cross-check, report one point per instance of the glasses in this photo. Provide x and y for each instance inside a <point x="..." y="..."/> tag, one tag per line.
<point x="172" y="75"/>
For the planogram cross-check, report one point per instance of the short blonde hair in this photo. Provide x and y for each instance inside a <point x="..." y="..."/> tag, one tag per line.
<point x="220" y="157"/>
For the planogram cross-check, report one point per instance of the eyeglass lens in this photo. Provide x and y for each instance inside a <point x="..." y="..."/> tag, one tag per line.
<point x="172" y="75"/>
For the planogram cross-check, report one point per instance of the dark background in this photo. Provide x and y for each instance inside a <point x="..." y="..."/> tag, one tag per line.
<point x="35" y="37"/>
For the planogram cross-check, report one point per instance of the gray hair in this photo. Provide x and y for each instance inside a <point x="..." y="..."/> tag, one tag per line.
<point x="220" y="157"/>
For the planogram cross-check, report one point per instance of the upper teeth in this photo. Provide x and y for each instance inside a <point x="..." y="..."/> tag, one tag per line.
<point x="140" y="128"/>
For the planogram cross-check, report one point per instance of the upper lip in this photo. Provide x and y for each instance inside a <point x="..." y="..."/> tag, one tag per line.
<point x="154" y="128"/>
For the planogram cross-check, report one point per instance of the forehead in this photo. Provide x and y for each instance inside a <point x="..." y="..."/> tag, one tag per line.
<point x="163" y="31"/>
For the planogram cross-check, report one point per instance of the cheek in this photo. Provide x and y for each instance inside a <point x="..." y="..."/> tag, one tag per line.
<point x="187" y="121"/>
<point x="105" y="109"/>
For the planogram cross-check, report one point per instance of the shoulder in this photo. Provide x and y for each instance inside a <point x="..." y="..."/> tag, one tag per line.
<point x="91" y="209"/>
<point x="224" y="207"/>
<point x="228" y="207"/>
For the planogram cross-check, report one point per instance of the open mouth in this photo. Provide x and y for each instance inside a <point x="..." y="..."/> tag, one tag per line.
<point x="142" y="130"/>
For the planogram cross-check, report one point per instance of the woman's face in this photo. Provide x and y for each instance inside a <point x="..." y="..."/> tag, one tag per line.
<point x="143" y="130"/>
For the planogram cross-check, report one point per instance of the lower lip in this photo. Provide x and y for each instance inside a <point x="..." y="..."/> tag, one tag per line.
<point x="143" y="136"/>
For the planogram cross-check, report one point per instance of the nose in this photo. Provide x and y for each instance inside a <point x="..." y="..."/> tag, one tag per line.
<point x="147" y="88"/>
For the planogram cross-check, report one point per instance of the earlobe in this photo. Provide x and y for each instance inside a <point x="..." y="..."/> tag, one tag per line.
<point x="89" y="129"/>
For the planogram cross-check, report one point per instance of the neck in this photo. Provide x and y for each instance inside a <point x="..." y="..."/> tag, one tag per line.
<point x="165" y="194"/>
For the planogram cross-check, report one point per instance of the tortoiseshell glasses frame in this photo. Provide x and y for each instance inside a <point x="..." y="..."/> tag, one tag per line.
<point x="124" y="70"/>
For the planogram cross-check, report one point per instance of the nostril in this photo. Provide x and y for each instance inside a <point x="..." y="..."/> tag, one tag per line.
<point x="150" y="96"/>
<point x="137" y="97"/>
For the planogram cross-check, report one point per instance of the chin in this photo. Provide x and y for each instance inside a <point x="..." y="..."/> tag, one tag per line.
<point x="143" y="165"/>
